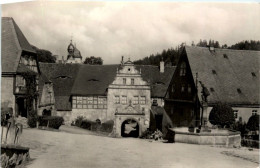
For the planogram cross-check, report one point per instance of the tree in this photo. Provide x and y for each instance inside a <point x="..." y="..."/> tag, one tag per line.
<point x="44" y="55"/>
<point x="222" y="114"/>
<point x="253" y="123"/>
<point x="93" y="60"/>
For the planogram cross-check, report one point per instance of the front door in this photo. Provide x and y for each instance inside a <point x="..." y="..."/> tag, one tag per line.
<point x="21" y="105"/>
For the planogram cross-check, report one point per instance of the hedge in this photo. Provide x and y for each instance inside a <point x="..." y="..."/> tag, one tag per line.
<point x="94" y="126"/>
<point x="54" y="121"/>
<point x="250" y="143"/>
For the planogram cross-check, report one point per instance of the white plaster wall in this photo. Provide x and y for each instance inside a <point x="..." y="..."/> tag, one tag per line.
<point x="90" y="114"/>
<point x="7" y="96"/>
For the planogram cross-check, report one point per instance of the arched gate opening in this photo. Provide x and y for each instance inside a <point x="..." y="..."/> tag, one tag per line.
<point x="130" y="128"/>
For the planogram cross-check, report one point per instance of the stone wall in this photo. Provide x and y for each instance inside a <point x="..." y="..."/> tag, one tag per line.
<point x="7" y="96"/>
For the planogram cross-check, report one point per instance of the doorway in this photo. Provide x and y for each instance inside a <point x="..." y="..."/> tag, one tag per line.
<point x="130" y="128"/>
<point x="21" y="106"/>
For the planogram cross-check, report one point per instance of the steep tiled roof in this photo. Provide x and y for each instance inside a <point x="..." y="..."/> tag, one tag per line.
<point x="81" y="79"/>
<point x="63" y="77"/>
<point x="231" y="76"/>
<point x="12" y="44"/>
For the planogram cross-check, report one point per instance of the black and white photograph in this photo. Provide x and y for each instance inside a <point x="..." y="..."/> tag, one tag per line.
<point x="136" y="84"/>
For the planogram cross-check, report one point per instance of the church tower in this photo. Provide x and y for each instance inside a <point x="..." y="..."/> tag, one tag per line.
<point x="74" y="55"/>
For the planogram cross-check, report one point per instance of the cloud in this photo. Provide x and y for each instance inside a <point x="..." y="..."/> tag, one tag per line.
<point x="133" y="29"/>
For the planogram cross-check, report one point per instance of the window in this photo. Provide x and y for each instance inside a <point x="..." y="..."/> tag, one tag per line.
<point x="124" y="81"/>
<point x="20" y="81"/>
<point x="235" y="113"/>
<point x="132" y="81"/>
<point x="142" y="100"/>
<point x="135" y="101"/>
<point x="182" y="88"/>
<point x="189" y="88"/>
<point x="117" y="100"/>
<point x="183" y="69"/>
<point x="155" y="103"/>
<point x="90" y="102"/>
<point x="254" y="112"/>
<point x="124" y="100"/>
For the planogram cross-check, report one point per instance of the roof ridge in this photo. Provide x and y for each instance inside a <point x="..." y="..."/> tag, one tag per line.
<point x="222" y="49"/>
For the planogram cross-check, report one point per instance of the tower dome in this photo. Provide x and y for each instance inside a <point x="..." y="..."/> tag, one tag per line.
<point x="71" y="48"/>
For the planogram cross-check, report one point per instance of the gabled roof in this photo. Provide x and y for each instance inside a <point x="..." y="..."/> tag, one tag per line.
<point x="82" y="79"/>
<point x="13" y="43"/>
<point x="226" y="72"/>
<point x="62" y="77"/>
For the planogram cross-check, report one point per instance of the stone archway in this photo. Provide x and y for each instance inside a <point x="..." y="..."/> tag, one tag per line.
<point x="130" y="128"/>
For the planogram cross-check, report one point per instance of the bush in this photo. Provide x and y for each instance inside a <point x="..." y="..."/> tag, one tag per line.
<point x="5" y="111"/>
<point x="241" y="127"/>
<point x="250" y="143"/>
<point x="86" y="124"/>
<point x="222" y="114"/>
<point x="78" y="121"/>
<point x="32" y="118"/>
<point x="54" y="121"/>
<point x="107" y="126"/>
<point x="253" y="123"/>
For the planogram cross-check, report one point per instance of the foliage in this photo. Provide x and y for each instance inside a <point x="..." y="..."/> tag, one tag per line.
<point x="241" y="127"/>
<point x="250" y="143"/>
<point x="107" y="126"/>
<point x="246" y="45"/>
<point x="4" y="112"/>
<point x="32" y="118"/>
<point x="94" y="126"/>
<point x="222" y="115"/>
<point x="44" y="55"/>
<point x="253" y="123"/>
<point x="156" y="135"/>
<point x="93" y="60"/>
<point x="211" y="43"/>
<point x="169" y="56"/>
<point x="54" y="121"/>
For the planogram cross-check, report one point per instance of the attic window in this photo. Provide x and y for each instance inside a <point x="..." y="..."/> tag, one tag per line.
<point x="212" y="90"/>
<point x="159" y="83"/>
<point x="214" y="72"/>
<point x="129" y="69"/>
<point x="93" y="80"/>
<point x="63" y="77"/>
<point x="253" y="74"/>
<point x="225" y="56"/>
<point x="239" y="90"/>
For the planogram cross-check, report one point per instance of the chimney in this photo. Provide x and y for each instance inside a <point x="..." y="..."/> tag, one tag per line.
<point x="122" y="61"/>
<point x="162" y="66"/>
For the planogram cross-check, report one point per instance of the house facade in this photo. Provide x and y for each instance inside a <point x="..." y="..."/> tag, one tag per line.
<point x="123" y="93"/>
<point x="20" y="70"/>
<point x="230" y="76"/>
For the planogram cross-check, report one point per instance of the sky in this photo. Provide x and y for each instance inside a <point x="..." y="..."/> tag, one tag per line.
<point x="132" y="29"/>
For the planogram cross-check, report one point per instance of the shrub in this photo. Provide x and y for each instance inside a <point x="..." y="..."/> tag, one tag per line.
<point x="253" y="123"/>
<point x="86" y="124"/>
<point x="54" y="121"/>
<point x="222" y="114"/>
<point x="32" y="118"/>
<point x="5" y="111"/>
<point x="250" y="143"/>
<point x="107" y="126"/>
<point x="241" y="127"/>
<point x="78" y="121"/>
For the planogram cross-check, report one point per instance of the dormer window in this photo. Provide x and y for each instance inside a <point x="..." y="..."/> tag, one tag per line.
<point x="63" y="77"/>
<point x="183" y="69"/>
<point x="129" y="69"/>
<point x="214" y="72"/>
<point x="253" y="74"/>
<point x="212" y="90"/>
<point x="93" y="80"/>
<point x="239" y="90"/>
